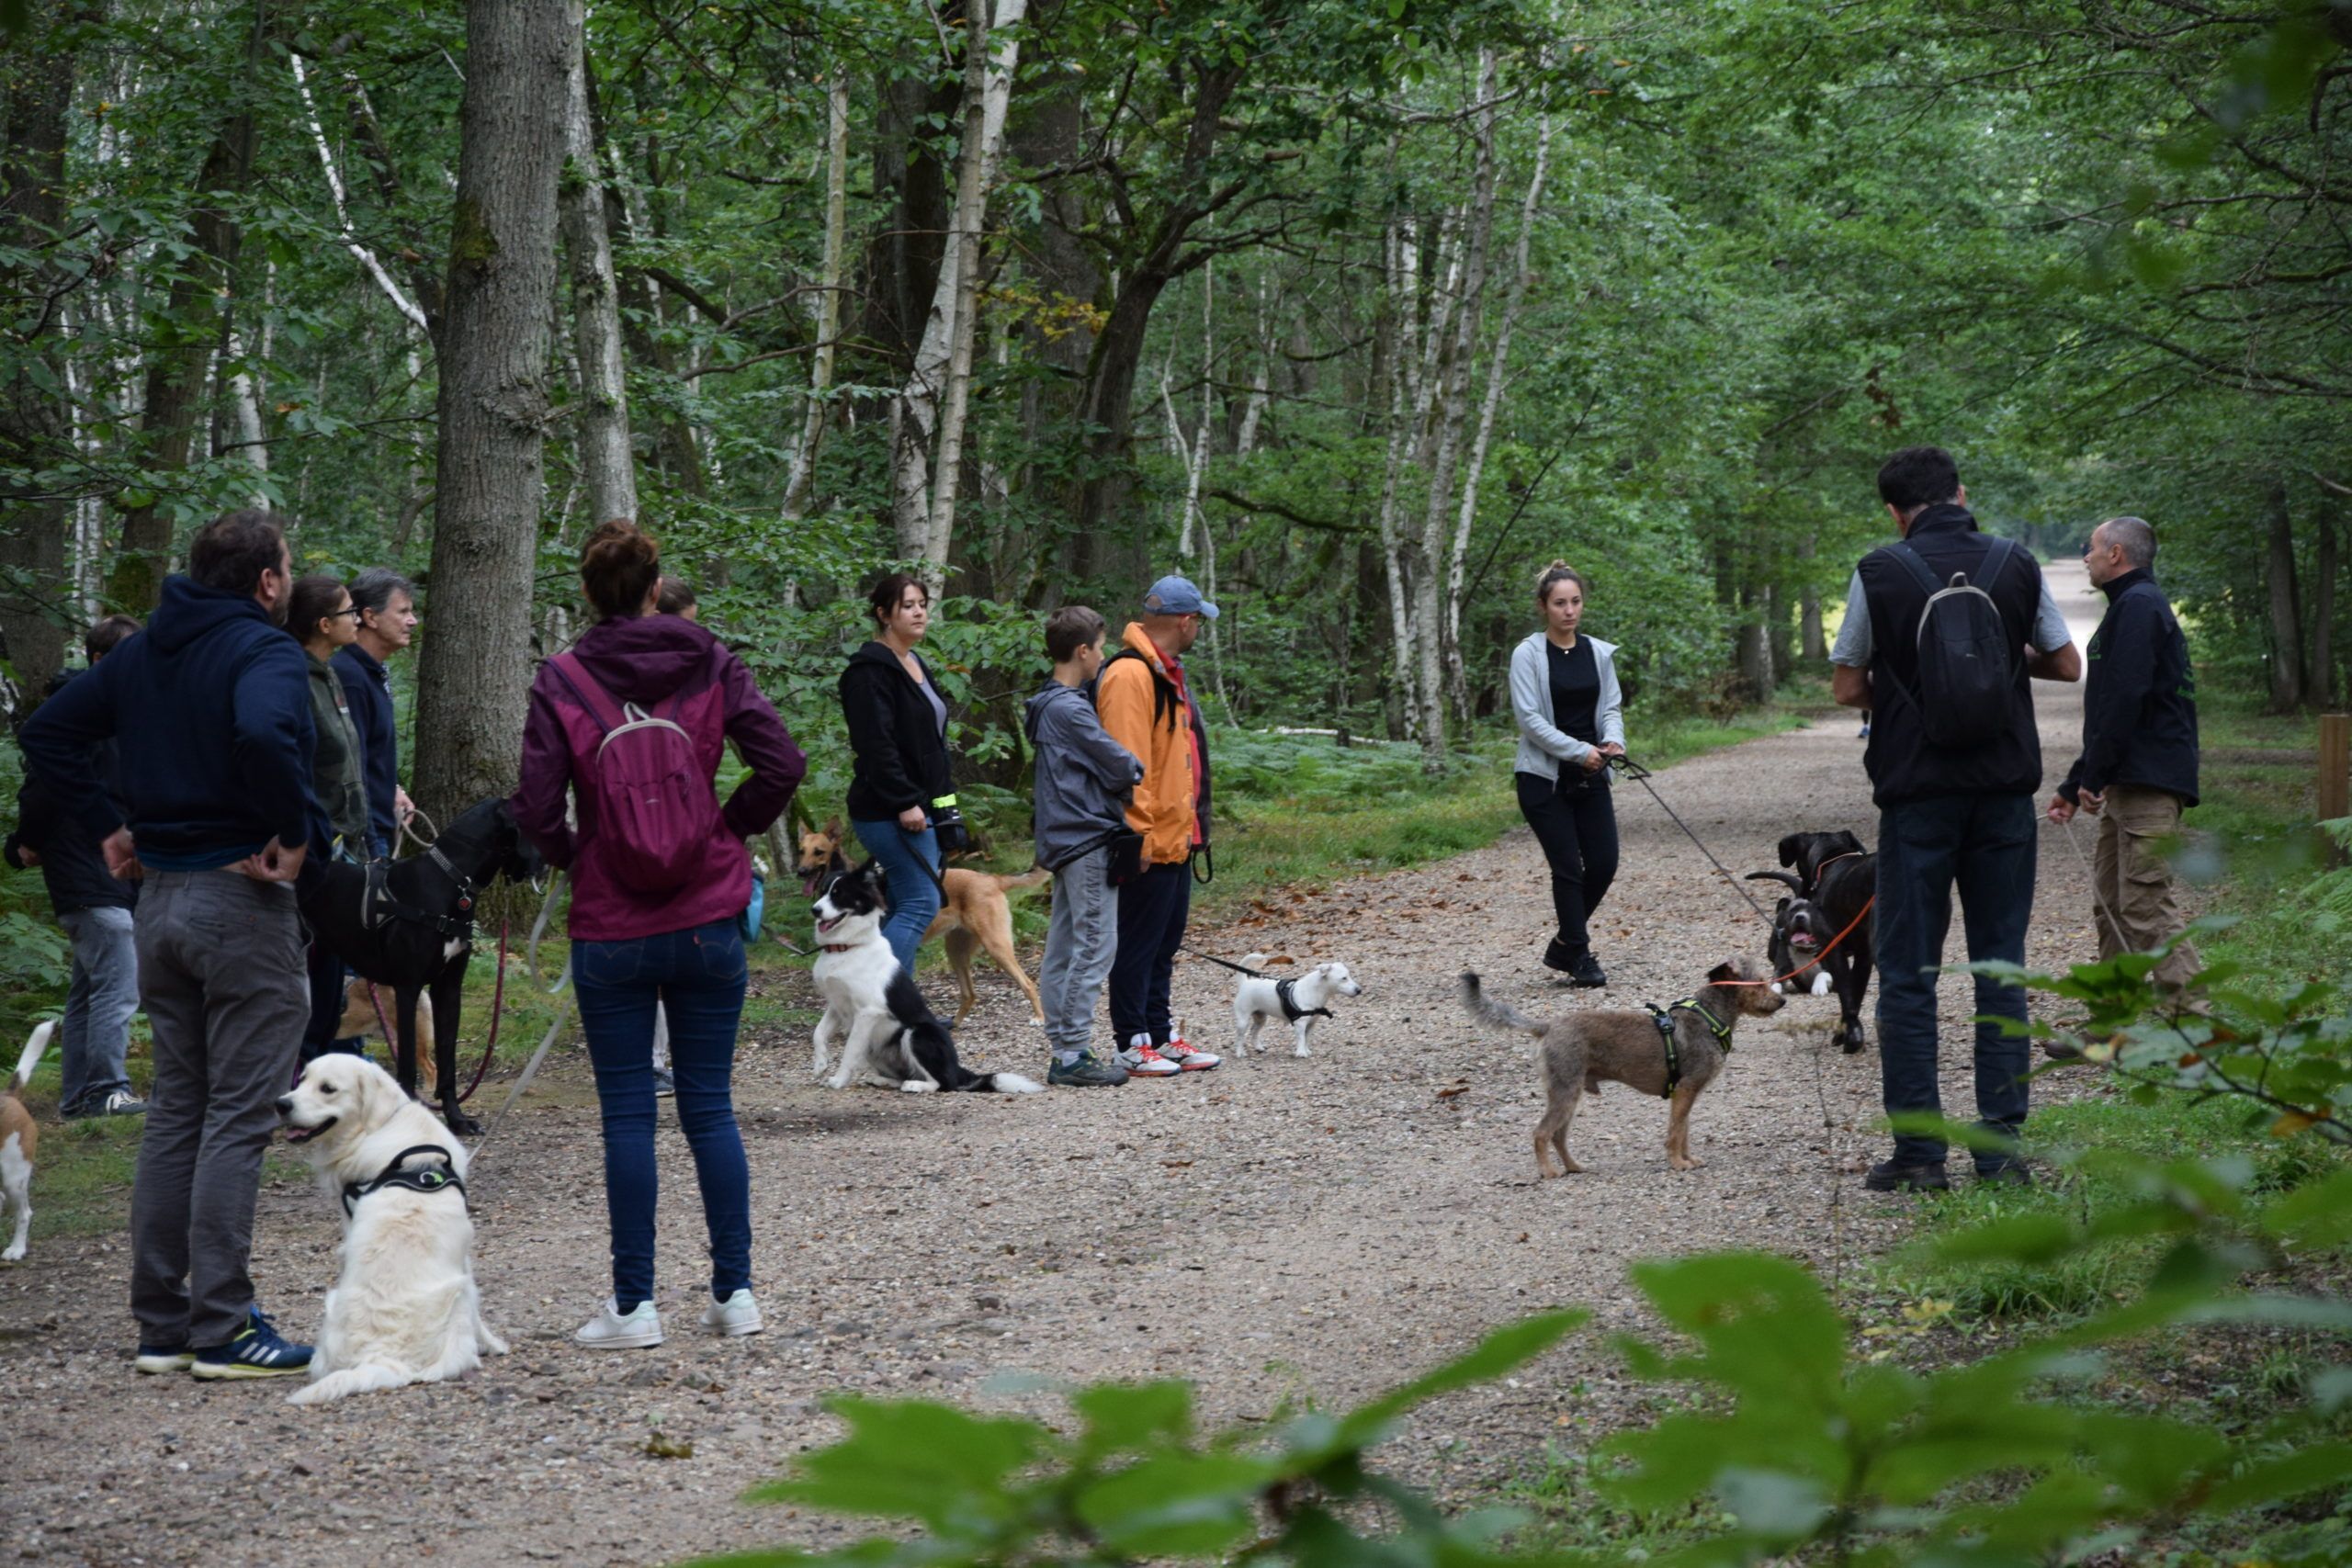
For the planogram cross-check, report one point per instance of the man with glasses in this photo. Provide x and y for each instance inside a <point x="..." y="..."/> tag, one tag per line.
<point x="386" y="605"/>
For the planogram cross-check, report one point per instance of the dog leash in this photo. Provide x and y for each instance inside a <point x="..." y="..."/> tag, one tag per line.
<point x="2091" y="872"/>
<point x="1621" y="763"/>
<point x="1860" y="915"/>
<point x="530" y="1069"/>
<point x="1222" y="963"/>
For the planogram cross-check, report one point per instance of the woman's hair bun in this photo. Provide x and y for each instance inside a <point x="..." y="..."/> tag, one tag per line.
<point x="618" y="567"/>
<point x="1559" y="571"/>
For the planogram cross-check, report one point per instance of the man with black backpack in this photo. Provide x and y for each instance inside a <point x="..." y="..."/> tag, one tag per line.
<point x="1943" y="629"/>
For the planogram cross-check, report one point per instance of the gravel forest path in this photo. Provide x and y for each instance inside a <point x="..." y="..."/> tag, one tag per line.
<point x="1276" y="1231"/>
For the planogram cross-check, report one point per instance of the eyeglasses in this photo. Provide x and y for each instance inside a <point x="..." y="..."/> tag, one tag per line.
<point x="351" y="610"/>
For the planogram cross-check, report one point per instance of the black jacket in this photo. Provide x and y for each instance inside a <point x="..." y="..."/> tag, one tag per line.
<point x="898" y="757"/>
<point x="1902" y="763"/>
<point x="71" y="863"/>
<point x="369" y="689"/>
<point x="2140" y="699"/>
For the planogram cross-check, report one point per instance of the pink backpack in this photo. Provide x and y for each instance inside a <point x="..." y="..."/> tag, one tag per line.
<point x="655" y="810"/>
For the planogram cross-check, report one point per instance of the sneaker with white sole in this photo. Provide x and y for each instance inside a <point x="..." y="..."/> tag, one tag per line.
<point x="156" y="1359"/>
<point x="122" y="1103"/>
<point x="1143" y="1062"/>
<point x="257" y="1351"/>
<point x="738" y="1314"/>
<point x="611" y="1329"/>
<point x="1187" y="1059"/>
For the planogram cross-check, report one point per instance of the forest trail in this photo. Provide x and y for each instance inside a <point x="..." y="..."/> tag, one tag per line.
<point x="1278" y="1230"/>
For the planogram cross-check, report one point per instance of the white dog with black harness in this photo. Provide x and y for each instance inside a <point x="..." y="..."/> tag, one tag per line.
<point x="1297" y="1002"/>
<point x="405" y="1308"/>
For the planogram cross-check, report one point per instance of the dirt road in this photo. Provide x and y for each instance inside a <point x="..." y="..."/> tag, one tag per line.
<point x="1276" y="1230"/>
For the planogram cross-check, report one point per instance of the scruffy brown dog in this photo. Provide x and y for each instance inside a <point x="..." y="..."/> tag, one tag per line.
<point x="1630" y="1048"/>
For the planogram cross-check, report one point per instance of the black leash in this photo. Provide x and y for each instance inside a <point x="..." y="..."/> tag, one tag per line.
<point x="1222" y="963"/>
<point x="1621" y="763"/>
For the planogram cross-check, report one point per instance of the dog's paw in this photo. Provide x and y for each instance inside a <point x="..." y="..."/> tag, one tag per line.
<point x="463" y="1125"/>
<point x="14" y="1255"/>
<point x="1821" y="984"/>
<point x="912" y="1086"/>
<point x="1686" y="1164"/>
<point x="1778" y="990"/>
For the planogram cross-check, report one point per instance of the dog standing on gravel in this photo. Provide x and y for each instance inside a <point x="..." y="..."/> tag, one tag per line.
<point x="1297" y="1002"/>
<point x="1824" y="923"/>
<point x="405" y="1308"/>
<point x="889" y="1036"/>
<point x="1672" y="1052"/>
<point x="19" y="1139"/>
<point x="973" y="912"/>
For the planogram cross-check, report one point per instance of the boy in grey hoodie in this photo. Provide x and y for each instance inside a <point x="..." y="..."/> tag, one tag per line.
<point x="1085" y="782"/>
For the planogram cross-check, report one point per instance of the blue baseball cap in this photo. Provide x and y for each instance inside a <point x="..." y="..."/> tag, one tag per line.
<point x="1176" y="596"/>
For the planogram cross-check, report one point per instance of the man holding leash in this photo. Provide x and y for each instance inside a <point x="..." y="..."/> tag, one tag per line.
<point x="211" y="710"/>
<point x="387" y="605"/>
<point x="1954" y="760"/>
<point x="1148" y="708"/>
<point x="2138" y="768"/>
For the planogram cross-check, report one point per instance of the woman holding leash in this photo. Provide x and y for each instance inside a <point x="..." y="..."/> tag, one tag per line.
<point x="632" y="723"/>
<point x="898" y="740"/>
<point x="1565" y="696"/>
<point x="319" y="611"/>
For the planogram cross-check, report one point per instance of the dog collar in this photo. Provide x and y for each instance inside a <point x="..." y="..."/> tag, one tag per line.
<point x="835" y="946"/>
<point x="1292" y="1011"/>
<point x="441" y="1177"/>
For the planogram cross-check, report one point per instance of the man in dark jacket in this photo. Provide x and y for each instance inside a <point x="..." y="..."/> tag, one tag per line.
<point x="1947" y="816"/>
<point x="2138" y="770"/>
<point x="387" y="605"/>
<point x="95" y="907"/>
<point x="210" y="709"/>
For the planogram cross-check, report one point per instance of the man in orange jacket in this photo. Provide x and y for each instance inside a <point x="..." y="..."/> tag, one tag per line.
<point x="1149" y="709"/>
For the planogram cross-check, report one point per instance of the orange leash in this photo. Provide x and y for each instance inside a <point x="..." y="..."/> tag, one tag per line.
<point x="1815" y="962"/>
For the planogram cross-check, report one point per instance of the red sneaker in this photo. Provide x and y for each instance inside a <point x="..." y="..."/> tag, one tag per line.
<point x="1188" y="1059"/>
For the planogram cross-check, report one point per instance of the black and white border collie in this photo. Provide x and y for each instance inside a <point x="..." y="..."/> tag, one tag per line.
<point x="890" y="1037"/>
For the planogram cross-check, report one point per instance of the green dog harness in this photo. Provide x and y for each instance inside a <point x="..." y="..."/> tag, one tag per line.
<point x="1663" y="1018"/>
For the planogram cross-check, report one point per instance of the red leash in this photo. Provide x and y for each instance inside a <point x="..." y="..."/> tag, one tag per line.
<point x="497" y="1013"/>
<point x="1815" y="960"/>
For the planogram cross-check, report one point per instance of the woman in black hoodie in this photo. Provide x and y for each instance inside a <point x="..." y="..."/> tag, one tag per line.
<point x="897" y="739"/>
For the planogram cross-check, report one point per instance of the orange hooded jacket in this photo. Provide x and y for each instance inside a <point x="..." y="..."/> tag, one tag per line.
<point x="1162" y="810"/>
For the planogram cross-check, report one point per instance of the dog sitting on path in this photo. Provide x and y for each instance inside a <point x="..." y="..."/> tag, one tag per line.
<point x="1830" y="894"/>
<point x="405" y="1308"/>
<point x="889" y="1036"/>
<point x="1674" y="1053"/>
<point x="973" y="911"/>
<point x="1297" y="1002"/>
<point x="19" y="1137"/>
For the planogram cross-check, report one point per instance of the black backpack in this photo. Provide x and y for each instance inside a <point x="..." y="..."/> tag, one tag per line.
<point x="1968" y="660"/>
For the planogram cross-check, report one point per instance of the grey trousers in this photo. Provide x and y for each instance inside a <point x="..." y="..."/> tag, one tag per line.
<point x="104" y="995"/>
<point x="1080" y="942"/>
<point x="220" y="973"/>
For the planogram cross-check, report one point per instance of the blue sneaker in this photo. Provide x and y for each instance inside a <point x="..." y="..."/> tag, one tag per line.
<point x="259" y="1352"/>
<point x="158" y="1359"/>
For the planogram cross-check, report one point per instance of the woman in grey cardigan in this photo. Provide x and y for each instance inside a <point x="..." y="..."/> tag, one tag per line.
<point x="1564" y="694"/>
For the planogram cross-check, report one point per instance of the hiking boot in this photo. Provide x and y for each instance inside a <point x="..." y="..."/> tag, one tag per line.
<point x="122" y="1103"/>
<point x="1585" y="973"/>
<point x="736" y="1316"/>
<point x="665" y="1084"/>
<point x="1087" y="1072"/>
<point x="1189" y="1060"/>
<point x="259" y="1352"/>
<point x="155" y="1359"/>
<point x="1894" y="1175"/>
<point x="1143" y="1062"/>
<point x="612" y="1329"/>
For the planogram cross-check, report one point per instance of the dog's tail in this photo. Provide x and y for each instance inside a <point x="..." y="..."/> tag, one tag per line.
<point x="1030" y="878"/>
<point x="368" y="1377"/>
<point x="1495" y="1014"/>
<point x="1005" y="1083"/>
<point x="35" y="1049"/>
<point x="1253" y="961"/>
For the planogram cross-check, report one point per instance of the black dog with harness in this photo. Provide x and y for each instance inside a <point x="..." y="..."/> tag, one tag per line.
<point x="427" y="1178"/>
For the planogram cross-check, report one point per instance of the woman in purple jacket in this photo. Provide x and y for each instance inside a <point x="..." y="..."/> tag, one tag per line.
<point x="630" y="949"/>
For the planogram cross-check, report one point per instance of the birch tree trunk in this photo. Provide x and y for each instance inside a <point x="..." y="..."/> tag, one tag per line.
<point x="607" y="462"/>
<point x="933" y="405"/>
<point x="1398" y="351"/>
<point x="829" y="299"/>
<point x="492" y="411"/>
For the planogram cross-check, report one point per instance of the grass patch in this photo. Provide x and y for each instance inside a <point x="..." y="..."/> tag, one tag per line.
<point x="83" y="1184"/>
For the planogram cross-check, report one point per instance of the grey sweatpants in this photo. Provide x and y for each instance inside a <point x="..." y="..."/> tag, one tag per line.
<point x="1079" y="944"/>
<point x="221" y="973"/>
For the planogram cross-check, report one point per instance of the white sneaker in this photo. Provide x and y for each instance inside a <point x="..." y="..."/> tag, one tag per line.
<point x="1143" y="1062"/>
<point x="1187" y="1059"/>
<point x="608" y="1330"/>
<point x="738" y="1314"/>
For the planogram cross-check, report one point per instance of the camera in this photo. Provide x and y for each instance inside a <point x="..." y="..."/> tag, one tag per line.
<point x="947" y="823"/>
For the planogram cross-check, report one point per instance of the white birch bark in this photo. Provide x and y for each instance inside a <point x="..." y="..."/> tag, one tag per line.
<point x="1499" y="360"/>
<point x="608" y="463"/>
<point x="360" y="253"/>
<point x="1402" y="262"/>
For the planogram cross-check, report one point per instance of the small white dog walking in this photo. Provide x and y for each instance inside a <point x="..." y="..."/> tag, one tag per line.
<point x="405" y="1308"/>
<point x="19" y="1137"/>
<point x="1297" y="1002"/>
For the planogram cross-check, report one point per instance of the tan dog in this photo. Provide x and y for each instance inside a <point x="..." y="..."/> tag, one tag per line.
<point x="1629" y="1047"/>
<point x="361" y="1020"/>
<point x="18" y="1140"/>
<point x="973" y="913"/>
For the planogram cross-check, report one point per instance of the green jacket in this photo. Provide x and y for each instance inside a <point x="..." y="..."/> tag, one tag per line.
<point x="336" y="773"/>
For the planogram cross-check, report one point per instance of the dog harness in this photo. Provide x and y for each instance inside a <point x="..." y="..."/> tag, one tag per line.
<point x="442" y="1177"/>
<point x="1663" y="1018"/>
<point x="1292" y="1011"/>
<point x="378" y="909"/>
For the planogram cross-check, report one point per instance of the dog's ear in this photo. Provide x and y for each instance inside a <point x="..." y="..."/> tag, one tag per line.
<point x="1791" y="846"/>
<point x="832" y="827"/>
<point x="1722" y="973"/>
<point x="1847" y="843"/>
<point x="1780" y="910"/>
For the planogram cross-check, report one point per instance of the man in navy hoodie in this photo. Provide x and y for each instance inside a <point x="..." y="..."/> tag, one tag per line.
<point x="210" y="712"/>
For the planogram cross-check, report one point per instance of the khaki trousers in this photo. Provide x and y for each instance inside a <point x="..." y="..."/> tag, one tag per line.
<point x="2135" y="884"/>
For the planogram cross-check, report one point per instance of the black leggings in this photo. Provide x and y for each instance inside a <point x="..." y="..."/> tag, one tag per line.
<point x="1577" y="827"/>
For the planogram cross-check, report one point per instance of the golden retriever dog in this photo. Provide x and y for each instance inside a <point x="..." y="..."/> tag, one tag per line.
<point x="404" y="1308"/>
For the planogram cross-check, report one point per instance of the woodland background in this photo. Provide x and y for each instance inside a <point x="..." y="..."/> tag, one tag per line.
<point x="1357" y="312"/>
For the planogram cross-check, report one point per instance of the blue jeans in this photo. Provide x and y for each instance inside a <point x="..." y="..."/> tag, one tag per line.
<point x="1153" y="908"/>
<point x="98" y="1005"/>
<point x="697" y="977"/>
<point x="1985" y="845"/>
<point x="914" y="897"/>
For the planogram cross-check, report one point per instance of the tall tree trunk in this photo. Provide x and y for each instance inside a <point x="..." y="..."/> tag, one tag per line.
<point x="607" y="464"/>
<point x="476" y="668"/>
<point x="175" y="370"/>
<point x="829" y="302"/>
<point x="1811" y="639"/>
<point x="1397" y="350"/>
<point x="2319" y="679"/>
<point x="2285" y="606"/>
<point x="35" y="433"/>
